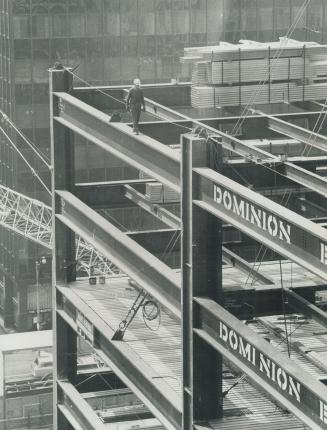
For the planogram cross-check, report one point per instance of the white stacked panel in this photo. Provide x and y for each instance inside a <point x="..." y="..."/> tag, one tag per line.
<point x="208" y="97"/>
<point x="257" y="73"/>
<point x="155" y="192"/>
<point x="257" y="70"/>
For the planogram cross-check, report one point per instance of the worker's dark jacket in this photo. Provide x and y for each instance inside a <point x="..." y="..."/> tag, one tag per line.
<point x="135" y="100"/>
<point x="135" y="96"/>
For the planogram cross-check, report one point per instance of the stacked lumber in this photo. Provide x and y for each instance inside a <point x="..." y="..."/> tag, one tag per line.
<point x="258" y="73"/>
<point x="159" y="193"/>
<point x="210" y="97"/>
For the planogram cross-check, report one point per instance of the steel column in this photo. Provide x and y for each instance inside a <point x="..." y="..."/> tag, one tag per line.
<point x="62" y="177"/>
<point x="201" y="275"/>
<point x="66" y="351"/>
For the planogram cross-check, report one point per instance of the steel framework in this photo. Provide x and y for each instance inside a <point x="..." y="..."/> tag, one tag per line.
<point x="208" y="330"/>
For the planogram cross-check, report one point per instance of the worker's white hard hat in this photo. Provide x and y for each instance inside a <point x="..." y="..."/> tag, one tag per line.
<point x="137" y="81"/>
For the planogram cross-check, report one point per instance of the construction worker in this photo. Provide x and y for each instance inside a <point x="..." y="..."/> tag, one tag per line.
<point x="134" y="103"/>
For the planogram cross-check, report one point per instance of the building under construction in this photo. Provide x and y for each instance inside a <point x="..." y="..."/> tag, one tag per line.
<point x="206" y="293"/>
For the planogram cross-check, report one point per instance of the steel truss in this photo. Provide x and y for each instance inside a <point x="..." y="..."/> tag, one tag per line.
<point x="32" y="219"/>
<point x="25" y="216"/>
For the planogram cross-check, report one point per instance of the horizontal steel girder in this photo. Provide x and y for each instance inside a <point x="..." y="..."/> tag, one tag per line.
<point x="174" y="221"/>
<point x="282" y="379"/>
<point x="150" y="273"/>
<point x="300" y="304"/>
<point x="295" y="132"/>
<point x="72" y="401"/>
<point x="155" y="209"/>
<point x="142" y="152"/>
<point x="306" y="178"/>
<point x="142" y="379"/>
<point x="275" y="226"/>
<point x="159" y="110"/>
<point x="149" y="155"/>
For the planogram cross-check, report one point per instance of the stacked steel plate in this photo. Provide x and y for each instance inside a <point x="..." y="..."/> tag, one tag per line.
<point x="258" y="73"/>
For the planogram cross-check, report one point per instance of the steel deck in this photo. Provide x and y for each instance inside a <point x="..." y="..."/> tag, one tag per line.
<point x="161" y="348"/>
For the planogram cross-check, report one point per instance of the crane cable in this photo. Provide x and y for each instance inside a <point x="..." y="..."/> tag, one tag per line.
<point x="36" y="150"/>
<point x="33" y="171"/>
<point x="277" y="55"/>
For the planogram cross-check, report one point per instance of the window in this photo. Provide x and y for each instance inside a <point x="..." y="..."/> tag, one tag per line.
<point x="163" y="17"/>
<point x="112" y="71"/>
<point x="282" y="17"/>
<point x="94" y="64"/>
<point x="232" y="20"/>
<point x="23" y="64"/>
<point x="129" y="58"/>
<point x="265" y="20"/>
<point x="21" y="26"/>
<point x="147" y="52"/>
<point x="315" y="21"/>
<point x="214" y="21"/>
<point x="112" y="17"/>
<point x="129" y="17"/>
<point x="198" y="16"/>
<point x="181" y="17"/>
<point x="248" y="19"/>
<point x="146" y="17"/>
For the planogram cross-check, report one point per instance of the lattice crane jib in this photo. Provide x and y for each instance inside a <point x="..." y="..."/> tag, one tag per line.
<point x="31" y="219"/>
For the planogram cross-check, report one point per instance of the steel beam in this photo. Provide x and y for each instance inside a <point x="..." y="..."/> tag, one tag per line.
<point x="71" y="400"/>
<point x="295" y="132"/>
<point x="300" y="304"/>
<point x="150" y="273"/>
<point x="145" y="153"/>
<point x="173" y="221"/>
<point x="155" y="209"/>
<point x="142" y="152"/>
<point x="281" y="378"/>
<point x="159" y="110"/>
<point x="142" y="379"/>
<point x="236" y="261"/>
<point x="107" y="194"/>
<point x="275" y="226"/>
<point x="306" y="178"/>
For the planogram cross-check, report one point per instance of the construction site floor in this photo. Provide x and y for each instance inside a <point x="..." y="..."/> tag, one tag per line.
<point x="158" y="343"/>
